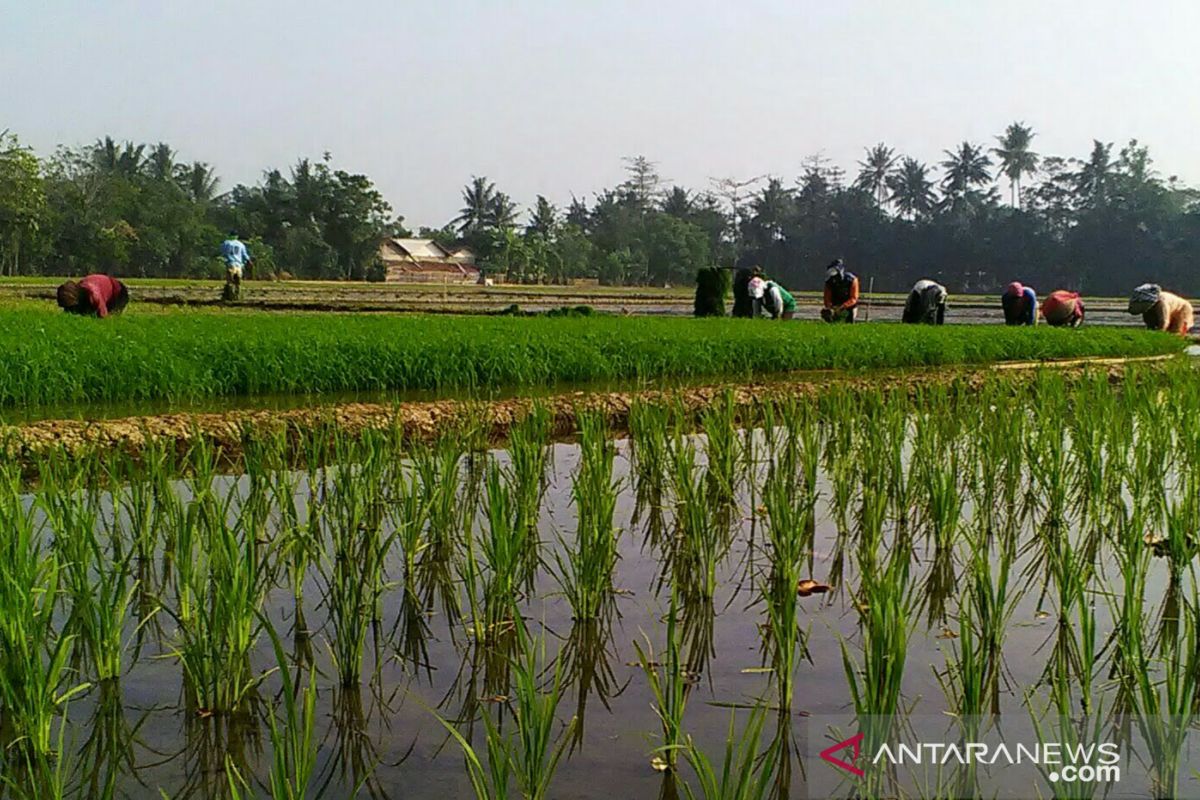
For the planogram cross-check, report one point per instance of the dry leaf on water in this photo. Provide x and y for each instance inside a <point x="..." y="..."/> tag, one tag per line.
<point x="807" y="586"/>
<point x="659" y="765"/>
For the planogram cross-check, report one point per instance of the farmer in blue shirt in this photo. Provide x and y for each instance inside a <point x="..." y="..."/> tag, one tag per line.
<point x="237" y="258"/>
<point x="1020" y="304"/>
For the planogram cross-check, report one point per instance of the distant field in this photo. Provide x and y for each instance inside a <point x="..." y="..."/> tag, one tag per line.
<point x="48" y="357"/>
<point x="454" y="298"/>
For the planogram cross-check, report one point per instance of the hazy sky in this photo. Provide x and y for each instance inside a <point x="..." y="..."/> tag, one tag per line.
<point x="546" y="97"/>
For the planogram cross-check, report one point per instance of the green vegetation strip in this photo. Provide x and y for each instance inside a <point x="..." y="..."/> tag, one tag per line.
<point x="52" y="358"/>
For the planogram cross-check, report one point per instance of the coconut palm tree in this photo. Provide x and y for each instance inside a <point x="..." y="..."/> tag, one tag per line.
<point x="966" y="168"/>
<point x="502" y="214"/>
<point x="911" y="189"/>
<point x="479" y="200"/>
<point x="874" y="171"/>
<point x="198" y="179"/>
<point x="544" y="219"/>
<point x="161" y="162"/>
<point x="1016" y="159"/>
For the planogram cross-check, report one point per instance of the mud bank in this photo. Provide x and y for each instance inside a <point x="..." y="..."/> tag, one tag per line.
<point x="423" y="421"/>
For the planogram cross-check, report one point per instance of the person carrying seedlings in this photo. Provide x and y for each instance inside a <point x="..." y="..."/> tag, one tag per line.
<point x="926" y="304"/>
<point x="1162" y="311"/>
<point x="1020" y="304"/>
<point x="98" y="295"/>
<point x="841" y="293"/>
<point x="1063" y="309"/>
<point x="743" y="303"/>
<point x="773" y="298"/>
<point x="237" y="258"/>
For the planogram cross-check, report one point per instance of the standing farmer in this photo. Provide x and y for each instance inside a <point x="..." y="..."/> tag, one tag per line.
<point x="237" y="258"/>
<point x="926" y="304"/>
<point x="1020" y="304"/>
<point x="841" y="294"/>
<point x="1161" y="311"/>
<point x="770" y="296"/>
<point x="94" y="294"/>
<point x="1063" y="309"/>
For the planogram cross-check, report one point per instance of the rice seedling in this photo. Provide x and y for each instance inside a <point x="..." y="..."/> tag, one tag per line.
<point x="528" y="446"/>
<point x="530" y="755"/>
<point x="586" y="571"/>
<point x="293" y="748"/>
<point x="1163" y="706"/>
<point x="699" y="544"/>
<point x="722" y="448"/>
<point x="307" y="354"/>
<point x="668" y="685"/>
<point x="438" y="469"/>
<point x="36" y="680"/>
<point x="790" y="540"/>
<point x="744" y="772"/>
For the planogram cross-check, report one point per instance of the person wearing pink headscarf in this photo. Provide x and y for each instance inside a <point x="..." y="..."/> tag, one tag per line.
<point x="1020" y="304"/>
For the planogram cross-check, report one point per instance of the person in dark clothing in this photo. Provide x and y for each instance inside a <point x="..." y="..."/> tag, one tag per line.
<point x="926" y="304"/>
<point x="841" y="294"/>
<point x="743" y="303"/>
<point x="1020" y="304"/>
<point x="95" y="294"/>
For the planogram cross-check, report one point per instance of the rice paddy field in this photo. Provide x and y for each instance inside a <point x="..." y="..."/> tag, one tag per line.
<point x="695" y="607"/>
<point x="49" y="358"/>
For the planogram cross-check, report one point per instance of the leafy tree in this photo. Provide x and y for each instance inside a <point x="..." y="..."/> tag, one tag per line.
<point x="23" y="209"/>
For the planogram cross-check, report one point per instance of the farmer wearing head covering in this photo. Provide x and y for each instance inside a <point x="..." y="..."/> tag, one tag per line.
<point x="841" y="294"/>
<point x="95" y="294"/>
<point x="926" y="304"/>
<point x="1063" y="309"/>
<point x="1161" y="311"/>
<point x="1020" y="304"/>
<point x="773" y="298"/>
<point x="237" y="257"/>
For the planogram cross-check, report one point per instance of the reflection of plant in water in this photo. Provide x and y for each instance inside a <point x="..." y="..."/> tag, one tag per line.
<point x="788" y="534"/>
<point x="588" y="654"/>
<point x="529" y="755"/>
<point x="586" y="573"/>
<point x="1163" y="709"/>
<point x="669" y="685"/>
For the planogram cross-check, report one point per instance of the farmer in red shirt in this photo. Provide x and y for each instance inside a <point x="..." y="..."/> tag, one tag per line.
<point x="95" y="294"/>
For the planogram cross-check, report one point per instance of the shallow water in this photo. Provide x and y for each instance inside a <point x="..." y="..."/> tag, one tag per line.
<point x="384" y="737"/>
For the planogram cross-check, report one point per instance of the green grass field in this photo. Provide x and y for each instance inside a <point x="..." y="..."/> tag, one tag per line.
<point x="49" y="357"/>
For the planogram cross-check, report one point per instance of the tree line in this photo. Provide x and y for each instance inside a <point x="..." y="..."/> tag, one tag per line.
<point x="985" y="214"/>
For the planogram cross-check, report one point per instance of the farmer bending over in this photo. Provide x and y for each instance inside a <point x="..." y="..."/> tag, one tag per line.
<point x="1020" y="305"/>
<point x="841" y="294"/>
<point x="926" y="304"/>
<point x="237" y="258"/>
<point x="1063" y="309"/>
<point x="1161" y="311"/>
<point x="94" y="294"/>
<point x="773" y="298"/>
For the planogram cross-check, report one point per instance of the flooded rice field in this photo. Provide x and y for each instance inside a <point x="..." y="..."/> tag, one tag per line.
<point x="697" y="608"/>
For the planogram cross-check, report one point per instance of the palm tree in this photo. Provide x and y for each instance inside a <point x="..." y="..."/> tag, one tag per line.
<point x="479" y="198"/>
<point x="161" y="162"/>
<point x="1016" y="159"/>
<point x="544" y="219"/>
<point x="966" y="168"/>
<point x="125" y="159"/>
<point x="911" y="189"/>
<point x="502" y="214"/>
<point x="874" y="171"/>
<point x="198" y="179"/>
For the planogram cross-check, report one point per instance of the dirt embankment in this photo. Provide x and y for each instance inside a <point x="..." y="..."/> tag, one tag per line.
<point x="424" y="420"/>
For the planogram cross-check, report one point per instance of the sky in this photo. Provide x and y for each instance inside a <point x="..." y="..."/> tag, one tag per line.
<point x="547" y="96"/>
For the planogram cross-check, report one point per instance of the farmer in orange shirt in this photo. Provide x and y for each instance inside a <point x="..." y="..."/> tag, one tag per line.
<point x="841" y="294"/>
<point x="95" y="294"/>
